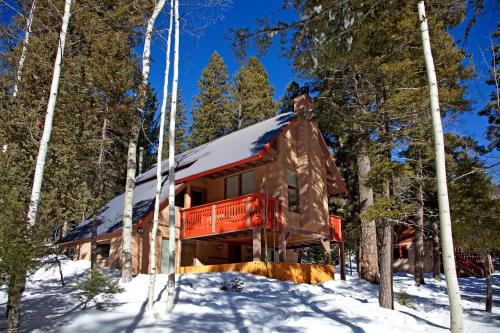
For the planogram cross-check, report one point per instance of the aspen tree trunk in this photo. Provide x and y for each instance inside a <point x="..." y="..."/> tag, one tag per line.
<point x="436" y="255"/>
<point x="26" y="40"/>
<point x="368" y="257"/>
<point x="489" y="286"/>
<point x="152" y="273"/>
<point x="419" y="239"/>
<point x="141" y="159"/>
<point x="132" y="150"/>
<point x="171" y="171"/>
<point x="47" y="129"/>
<point x="456" y="314"/>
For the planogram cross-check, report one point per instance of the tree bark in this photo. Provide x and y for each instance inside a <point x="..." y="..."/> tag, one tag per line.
<point x="24" y="50"/>
<point x="489" y="286"/>
<point x="171" y="167"/>
<point x="368" y="257"/>
<point x="456" y="313"/>
<point x="141" y="159"/>
<point x="159" y="155"/>
<point x="98" y="191"/>
<point x="385" y="295"/>
<point x="419" y="239"/>
<point x="132" y="150"/>
<point x="436" y="254"/>
<point x="47" y="128"/>
<point x="17" y="284"/>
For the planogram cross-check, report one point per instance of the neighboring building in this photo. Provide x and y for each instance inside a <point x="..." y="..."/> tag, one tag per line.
<point x="404" y="250"/>
<point x="260" y="191"/>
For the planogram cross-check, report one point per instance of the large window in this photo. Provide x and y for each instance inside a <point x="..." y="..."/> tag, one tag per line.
<point x="241" y="184"/>
<point x="103" y="250"/>
<point x="293" y="191"/>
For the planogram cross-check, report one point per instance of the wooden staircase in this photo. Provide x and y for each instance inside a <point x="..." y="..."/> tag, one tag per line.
<point x="469" y="264"/>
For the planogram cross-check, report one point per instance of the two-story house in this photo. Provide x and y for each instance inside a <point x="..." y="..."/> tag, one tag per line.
<point x="258" y="193"/>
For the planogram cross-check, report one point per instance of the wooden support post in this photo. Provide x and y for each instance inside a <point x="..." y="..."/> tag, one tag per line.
<point x="327" y="250"/>
<point x="257" y="243"/>
<point x="178" y="254"/>
<point x="342" y="261"/>
<point x="282" y="246"/>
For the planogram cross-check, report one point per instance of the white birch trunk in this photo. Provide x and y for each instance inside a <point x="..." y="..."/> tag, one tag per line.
<point x="47" y="129"/>
<point x="152" y="273"/>
<point x="27" y="35"/>
<point x="456" y="315"/>
<point x="171" y="170"/>
<point x="132" y="150"/>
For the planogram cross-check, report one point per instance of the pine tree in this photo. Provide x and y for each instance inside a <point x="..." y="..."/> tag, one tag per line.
<point x="475" y="210"/>
<point x="97" y="76"/>
<point x="492" y="108"/>
<point x="211" y="110"/>
<point x="285" y="103"/>
<point x="253" y="95"/>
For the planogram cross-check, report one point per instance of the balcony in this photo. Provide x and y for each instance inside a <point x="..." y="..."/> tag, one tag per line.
<point x="241" y="213"/>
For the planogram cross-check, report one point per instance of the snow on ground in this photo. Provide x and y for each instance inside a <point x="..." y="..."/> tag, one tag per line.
<point x="264" y="305"/>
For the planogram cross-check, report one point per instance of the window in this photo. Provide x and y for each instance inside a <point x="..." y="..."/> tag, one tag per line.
<point x="241" y="184"/>
<point x="71" y="253"/>
<point x="232" y="186"/>
<point x="293" y="191"/>
<point x="103" y="250"/>
<point x="247" y="182"/>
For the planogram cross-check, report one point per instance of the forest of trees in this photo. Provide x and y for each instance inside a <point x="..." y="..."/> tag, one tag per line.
<point x="362" y="63"/>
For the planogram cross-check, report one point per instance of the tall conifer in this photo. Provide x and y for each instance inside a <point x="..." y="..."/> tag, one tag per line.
<point x="253" y="95"/>
<point x="211" y="110"/>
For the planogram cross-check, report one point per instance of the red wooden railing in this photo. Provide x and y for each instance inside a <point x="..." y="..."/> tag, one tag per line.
<point x="336" y="233"/>
<point x="240" y="213"/>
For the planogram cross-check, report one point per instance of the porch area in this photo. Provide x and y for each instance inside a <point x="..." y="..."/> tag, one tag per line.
<point x="247" y="234"/>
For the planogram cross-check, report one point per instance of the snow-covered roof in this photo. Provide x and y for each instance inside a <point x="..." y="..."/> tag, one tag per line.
<point x="225" y="151"/>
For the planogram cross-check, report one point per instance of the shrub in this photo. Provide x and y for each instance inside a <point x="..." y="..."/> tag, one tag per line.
<point x="404" y="299"/>
<point x="96" y="284"/>
<point x="235" y="285"/>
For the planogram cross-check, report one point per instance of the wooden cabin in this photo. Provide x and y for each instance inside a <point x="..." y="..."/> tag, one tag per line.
<point x="257" y="194"/>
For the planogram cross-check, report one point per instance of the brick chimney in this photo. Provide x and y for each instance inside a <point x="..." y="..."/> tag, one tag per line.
<point x="303" y="103"/>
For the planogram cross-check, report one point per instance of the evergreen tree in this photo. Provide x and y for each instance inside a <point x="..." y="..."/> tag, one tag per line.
<point x="367" y="99"/>
<point x="285" y="103"/>
<point x="212" y="108"/>
<point x="86" y="155"/>
<point x="492" y="108"/>
<point x="253" y="95"/>
<point x="475" y="210"/>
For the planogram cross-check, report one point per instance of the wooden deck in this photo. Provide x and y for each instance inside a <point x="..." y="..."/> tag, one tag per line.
<point x="296" y="273"/>
<point x="231" y="215"/>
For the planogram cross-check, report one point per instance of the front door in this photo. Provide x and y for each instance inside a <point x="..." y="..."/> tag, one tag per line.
<point x="164" y="256"/>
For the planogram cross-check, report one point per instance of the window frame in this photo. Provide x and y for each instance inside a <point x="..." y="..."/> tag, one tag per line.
<point x="297" y="191"/>
<point x="240" y="183"/>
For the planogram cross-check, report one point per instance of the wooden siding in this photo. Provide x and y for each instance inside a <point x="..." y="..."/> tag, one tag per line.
<point x="296" y="273"/>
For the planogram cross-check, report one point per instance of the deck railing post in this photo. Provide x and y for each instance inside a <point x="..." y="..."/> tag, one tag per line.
<point x="183" y="224"/>
<point x="249" y="211"/>
<point x="214" y="218"/>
